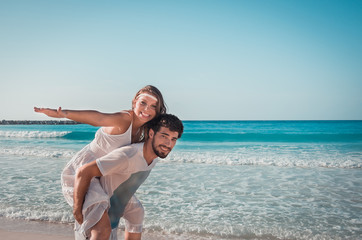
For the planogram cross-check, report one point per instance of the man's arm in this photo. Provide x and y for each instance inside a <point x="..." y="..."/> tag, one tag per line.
<point x="115" y="161"/>
<point x="82" y="180"/>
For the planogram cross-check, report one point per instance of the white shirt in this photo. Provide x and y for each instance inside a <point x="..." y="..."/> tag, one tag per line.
<point x="121" y="164"/>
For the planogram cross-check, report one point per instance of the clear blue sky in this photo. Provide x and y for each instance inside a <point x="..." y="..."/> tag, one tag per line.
<point x="217" y="60"/>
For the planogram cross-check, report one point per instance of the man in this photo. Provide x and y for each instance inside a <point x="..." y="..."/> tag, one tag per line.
<point x="125" y="169"/>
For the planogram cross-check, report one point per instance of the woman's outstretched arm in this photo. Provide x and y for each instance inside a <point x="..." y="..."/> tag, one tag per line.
<point x="90" y="117"/>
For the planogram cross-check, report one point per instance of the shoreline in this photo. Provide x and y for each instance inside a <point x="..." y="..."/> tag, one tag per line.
<point x="14" y="229"/>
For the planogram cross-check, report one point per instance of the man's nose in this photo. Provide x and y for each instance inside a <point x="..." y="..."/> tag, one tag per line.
<point x="167" y="142"/>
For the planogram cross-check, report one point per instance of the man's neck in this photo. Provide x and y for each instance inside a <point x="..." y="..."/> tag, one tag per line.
<point x="148" y="153"/>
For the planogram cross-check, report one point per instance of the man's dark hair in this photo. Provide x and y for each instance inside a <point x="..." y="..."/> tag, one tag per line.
<point x="165" y="120"/>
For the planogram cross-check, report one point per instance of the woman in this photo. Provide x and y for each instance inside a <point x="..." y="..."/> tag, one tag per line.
<point x="117" y="129"/>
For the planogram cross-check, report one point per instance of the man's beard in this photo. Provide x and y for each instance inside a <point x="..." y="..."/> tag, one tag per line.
<point x="159" y="153"/>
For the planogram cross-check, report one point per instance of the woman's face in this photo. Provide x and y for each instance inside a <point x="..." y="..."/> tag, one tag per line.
<point x="145" y="107"/>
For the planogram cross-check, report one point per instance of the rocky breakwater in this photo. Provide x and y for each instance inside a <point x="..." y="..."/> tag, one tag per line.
<point x="37" y="122"/>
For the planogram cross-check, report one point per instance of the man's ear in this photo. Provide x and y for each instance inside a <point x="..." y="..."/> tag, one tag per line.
<point x="151" y="133"/>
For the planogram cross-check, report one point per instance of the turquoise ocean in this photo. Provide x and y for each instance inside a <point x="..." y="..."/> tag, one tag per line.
<point x="223" y="180"/>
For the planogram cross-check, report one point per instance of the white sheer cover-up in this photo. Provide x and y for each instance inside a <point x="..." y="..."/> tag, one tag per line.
<point x="96" y="199"/>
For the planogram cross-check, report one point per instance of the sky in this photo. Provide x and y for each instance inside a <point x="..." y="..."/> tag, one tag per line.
<point x="212" y="60"/>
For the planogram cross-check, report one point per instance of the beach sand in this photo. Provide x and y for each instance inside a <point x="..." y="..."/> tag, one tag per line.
<point x="11" y="229"/>
<point x="15" y="229"/>
<point x="7" y="235"/>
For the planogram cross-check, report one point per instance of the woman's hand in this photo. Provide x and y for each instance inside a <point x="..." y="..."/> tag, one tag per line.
<point x="55" y="113"/>
<point x="78" y="215"/>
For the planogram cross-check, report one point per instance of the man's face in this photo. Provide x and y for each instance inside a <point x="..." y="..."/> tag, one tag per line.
<point x="163" y="141"/>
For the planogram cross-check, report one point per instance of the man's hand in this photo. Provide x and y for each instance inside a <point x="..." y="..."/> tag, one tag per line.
<point x="78" y="215"/>
<point x="82" y="180"/>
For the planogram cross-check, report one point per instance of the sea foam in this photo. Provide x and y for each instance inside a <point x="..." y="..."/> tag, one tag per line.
<point x="38" y="151"/>
<point x="266" y="157"/>
<point x="32" y="134"/>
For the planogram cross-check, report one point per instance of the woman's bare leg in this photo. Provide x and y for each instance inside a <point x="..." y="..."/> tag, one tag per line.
<point x="102" y="230"/>
<point x="132" y="236"/>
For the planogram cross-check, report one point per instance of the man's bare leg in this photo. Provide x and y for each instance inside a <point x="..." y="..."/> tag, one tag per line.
<point x="132" y="236"/>
<point x="102" y="230"/>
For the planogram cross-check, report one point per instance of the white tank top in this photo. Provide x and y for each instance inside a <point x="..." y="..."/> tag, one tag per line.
<point x="104" y="143"/>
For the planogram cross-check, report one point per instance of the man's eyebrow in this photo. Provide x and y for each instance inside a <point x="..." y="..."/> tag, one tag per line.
<point x="164" y="133"/>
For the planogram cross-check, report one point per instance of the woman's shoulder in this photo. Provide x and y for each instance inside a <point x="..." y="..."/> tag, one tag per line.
<point x="125" y="119"/>
<point x="122" y="123"/>
<point x="125" y="116"/>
